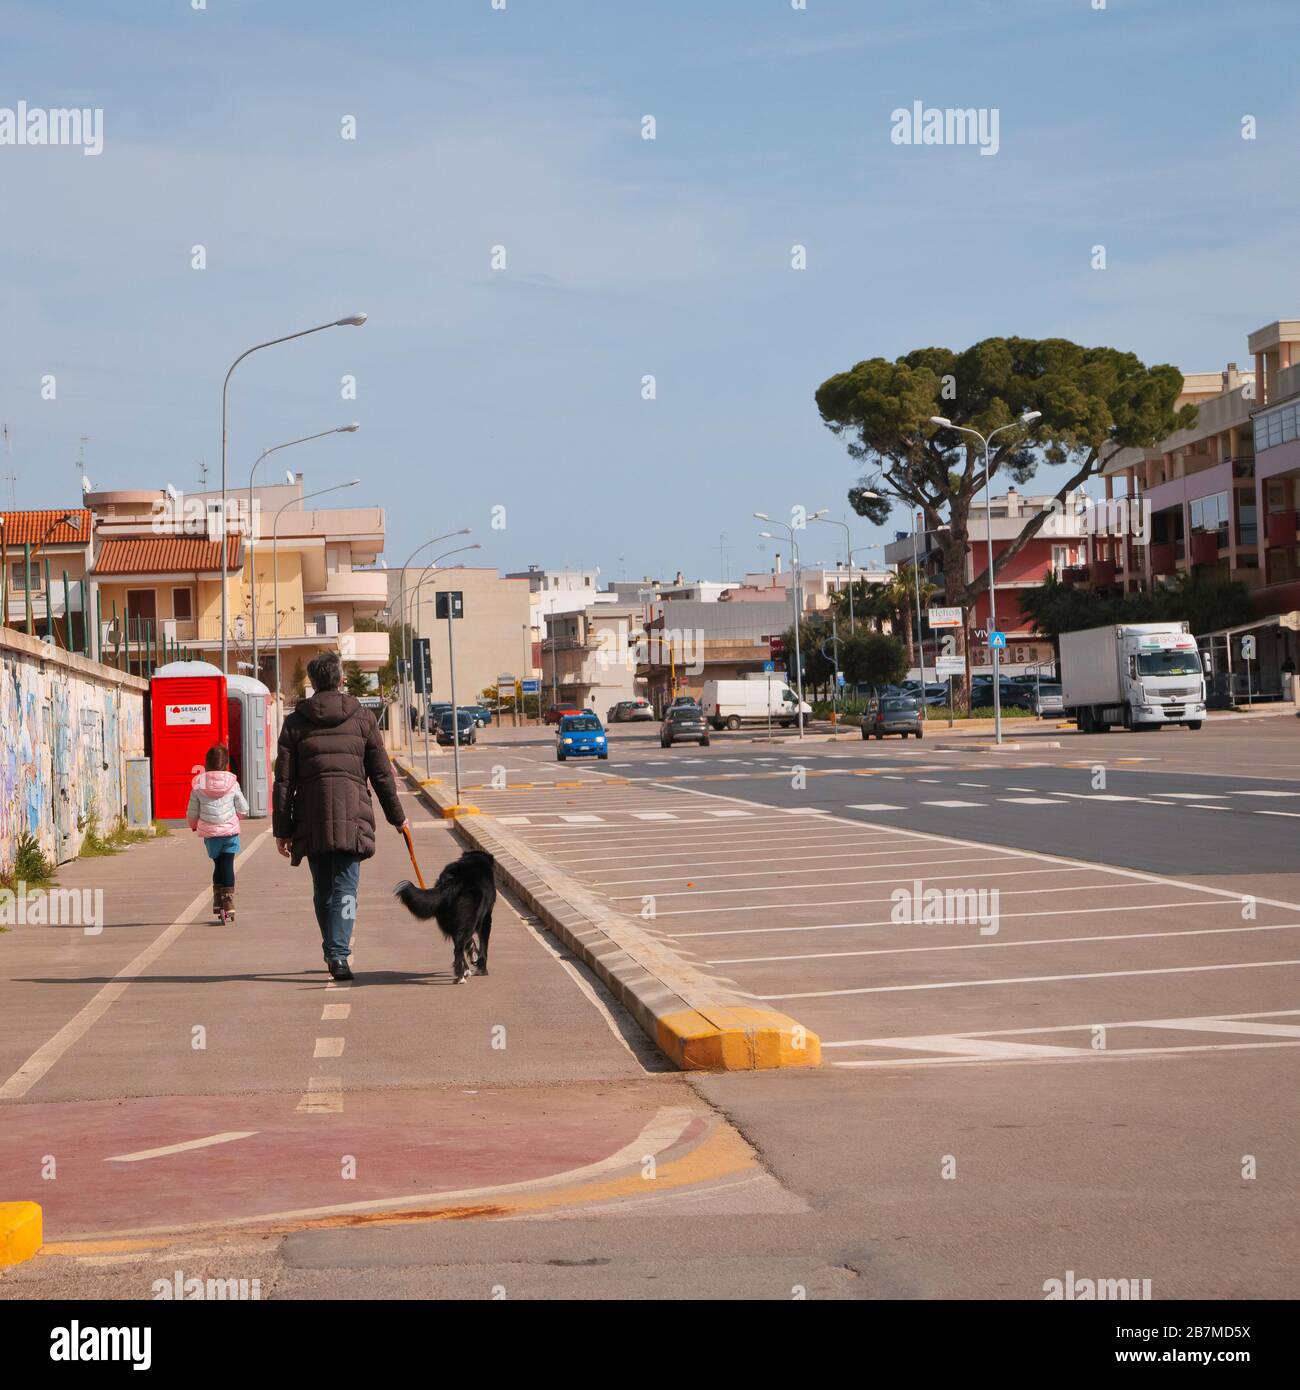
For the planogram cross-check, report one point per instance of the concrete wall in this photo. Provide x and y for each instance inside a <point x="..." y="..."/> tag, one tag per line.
<point x="67" y="726"/>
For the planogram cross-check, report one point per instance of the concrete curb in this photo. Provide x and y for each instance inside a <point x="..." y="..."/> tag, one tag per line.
<point x="693" y="1018"/>
<point x="20" y="1232"/>
<point x="969" y="746"/>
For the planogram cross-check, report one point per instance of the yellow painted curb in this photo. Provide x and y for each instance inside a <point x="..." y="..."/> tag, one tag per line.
<point x="452" y="812"/>
<point x="20" y="1231"/>
<point x="725" y="1038"/>
<point x="430" y="781"/>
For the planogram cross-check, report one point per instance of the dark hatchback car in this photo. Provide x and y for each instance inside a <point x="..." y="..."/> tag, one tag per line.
<point x="895" y="714"/>
<point x="466" y="727"/>
<point x="684" y="724"/>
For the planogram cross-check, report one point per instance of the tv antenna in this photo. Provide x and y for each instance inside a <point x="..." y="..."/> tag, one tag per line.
<point x="8" y="476"/>
<point x="203" y="474"/>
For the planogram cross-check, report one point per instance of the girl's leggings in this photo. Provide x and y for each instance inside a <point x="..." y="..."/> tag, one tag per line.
<point x="223" y="871"/>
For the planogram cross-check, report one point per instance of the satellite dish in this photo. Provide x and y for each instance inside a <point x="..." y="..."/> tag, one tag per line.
<point x="288" y="477"/>
<point x="86" y="484"/>
<point x="170" y="491"/>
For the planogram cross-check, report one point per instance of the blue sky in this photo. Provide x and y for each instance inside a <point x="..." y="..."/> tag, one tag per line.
<point x="625" y="257"/>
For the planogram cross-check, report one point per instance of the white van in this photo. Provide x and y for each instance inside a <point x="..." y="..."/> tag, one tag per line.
<point x="729" y="704"/>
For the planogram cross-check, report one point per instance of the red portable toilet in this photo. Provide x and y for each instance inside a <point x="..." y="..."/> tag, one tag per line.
<point x="250" y="740"/>
<point x="188" y="713"/>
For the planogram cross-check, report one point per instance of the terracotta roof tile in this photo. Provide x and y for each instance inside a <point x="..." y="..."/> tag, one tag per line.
<point x="167" y="555"/>
<point x="27" y="528"/>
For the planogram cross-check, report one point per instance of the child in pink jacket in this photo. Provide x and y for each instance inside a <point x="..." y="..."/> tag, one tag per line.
<point x="216" y="804"/>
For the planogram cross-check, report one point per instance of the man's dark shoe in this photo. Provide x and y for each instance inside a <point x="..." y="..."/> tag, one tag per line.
<point x="339" y="969"/>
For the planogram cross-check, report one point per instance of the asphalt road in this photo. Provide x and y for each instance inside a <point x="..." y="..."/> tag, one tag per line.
<point x="1087" y="1071"/>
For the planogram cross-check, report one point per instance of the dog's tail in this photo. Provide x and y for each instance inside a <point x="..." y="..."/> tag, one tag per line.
<point x="419" y="902"/>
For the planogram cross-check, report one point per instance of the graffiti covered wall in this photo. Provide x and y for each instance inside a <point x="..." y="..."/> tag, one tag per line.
<point x="67" y="726"/>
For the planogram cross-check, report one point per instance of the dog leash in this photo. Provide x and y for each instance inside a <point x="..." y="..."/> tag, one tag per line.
<point x="410" y="849"/>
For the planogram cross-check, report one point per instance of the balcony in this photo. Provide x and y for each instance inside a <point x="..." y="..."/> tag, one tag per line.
<point x="1282" y="528"/>
<point x="367" y="648"/>
<point x="1205" y="548"/>
<point x="1164" y="558"/>
<point x="352" y="586"/>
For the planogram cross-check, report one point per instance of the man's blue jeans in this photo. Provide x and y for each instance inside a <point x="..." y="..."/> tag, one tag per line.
<point x="335" y="878"/>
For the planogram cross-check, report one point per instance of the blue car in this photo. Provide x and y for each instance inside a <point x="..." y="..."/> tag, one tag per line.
<point x="580" y="736"/>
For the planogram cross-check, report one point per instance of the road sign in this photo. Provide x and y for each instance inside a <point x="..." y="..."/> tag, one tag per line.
<point x="839" y="678"/>
<point x="421" y="666"/>
<point x="449" y="603"/>
<point x="947" y="666"/>
<point x="944" y="617"/>
<point x="998" y="640"/>
<point x="530" y="687"/>
<point x="776" y="647"/>
<point x="769" y="667"/>
<point x="1248" y="648"/>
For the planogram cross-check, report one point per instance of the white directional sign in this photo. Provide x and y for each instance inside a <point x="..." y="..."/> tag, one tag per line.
<point x="944" y="617"/>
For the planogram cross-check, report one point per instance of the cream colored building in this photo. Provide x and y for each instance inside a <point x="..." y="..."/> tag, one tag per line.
<point x="493" y="639"/>
<point x="589" y="657"/>
<point x="158" y="562"/>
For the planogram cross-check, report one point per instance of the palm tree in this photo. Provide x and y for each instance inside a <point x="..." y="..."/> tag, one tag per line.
<point x="896" y="600"/>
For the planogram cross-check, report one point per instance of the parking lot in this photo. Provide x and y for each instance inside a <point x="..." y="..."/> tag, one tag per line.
<point x="1075" y="922"/>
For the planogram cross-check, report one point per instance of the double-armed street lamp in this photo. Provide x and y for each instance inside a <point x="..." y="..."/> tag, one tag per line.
<point x="944" y="423"/>
<point x="252" y="529"/>
<point x="352" y="321"/>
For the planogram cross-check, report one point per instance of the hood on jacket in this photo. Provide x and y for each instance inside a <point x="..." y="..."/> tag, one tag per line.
<point x="216" y="784"/>
<point x="327" y="708"/>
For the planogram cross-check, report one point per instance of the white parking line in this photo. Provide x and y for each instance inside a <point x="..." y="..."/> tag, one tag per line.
<point x="984" y="945"/>
<point x="1034" y="979"/>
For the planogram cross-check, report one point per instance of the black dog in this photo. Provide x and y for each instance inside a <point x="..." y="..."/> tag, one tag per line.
<point x="461" y="903"/>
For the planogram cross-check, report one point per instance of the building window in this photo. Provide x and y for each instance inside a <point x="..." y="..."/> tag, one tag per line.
<point x="182" y="605"/>
<point x="20" y="577"/>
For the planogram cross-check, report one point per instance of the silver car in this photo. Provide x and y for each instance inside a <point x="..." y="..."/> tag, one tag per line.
<point x="1045" y="701"/>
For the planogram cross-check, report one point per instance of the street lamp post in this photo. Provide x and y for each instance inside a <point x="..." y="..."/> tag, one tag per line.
<point x="795" y="587"/>
<point x="352" y="321"/>
<point x="252" y="530"/>
<point x="275" y="574"/>
<point x="402" y="634"/>
<point x="1027" y="419"/>
<point x="432" y="568"/>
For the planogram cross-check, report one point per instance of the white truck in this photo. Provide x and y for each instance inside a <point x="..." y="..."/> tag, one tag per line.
<point x="729" y="704"/>
<point x="1138" y="675"/>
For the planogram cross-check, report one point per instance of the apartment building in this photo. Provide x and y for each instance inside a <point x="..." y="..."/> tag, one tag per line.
<point x="559" y="591"/>
<point x="46" y="558"/>
<point x="493" y="639"/>
<point x="1225" y="499"/>
<point x="158" y="567"/>
<point x="688" y="642"/>
<point x="589" y="656"/>
<point x="1060" y="547"/>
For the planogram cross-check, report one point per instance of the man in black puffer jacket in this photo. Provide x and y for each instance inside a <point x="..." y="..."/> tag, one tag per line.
<point x="330" y="748"/>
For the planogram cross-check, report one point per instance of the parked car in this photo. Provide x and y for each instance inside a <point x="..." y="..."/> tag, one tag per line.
<point x="684" y="724"/>
<point x="466" y="728"/>
<point x="433" y="714"/>
<point x="558" y="712"/>
<point x="1046" y="701"/>
<point x="936" y="692"/>
<point x="895" y="714"/>
<point x="482" y="715"/>
<point x="580" y="735"/>
<point x="628" y="710"/>
<point x="1010" y="696"/>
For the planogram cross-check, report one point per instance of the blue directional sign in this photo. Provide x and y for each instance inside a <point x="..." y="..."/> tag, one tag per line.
<point x="998" y="639"/>
<point x="530" y="687"/>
